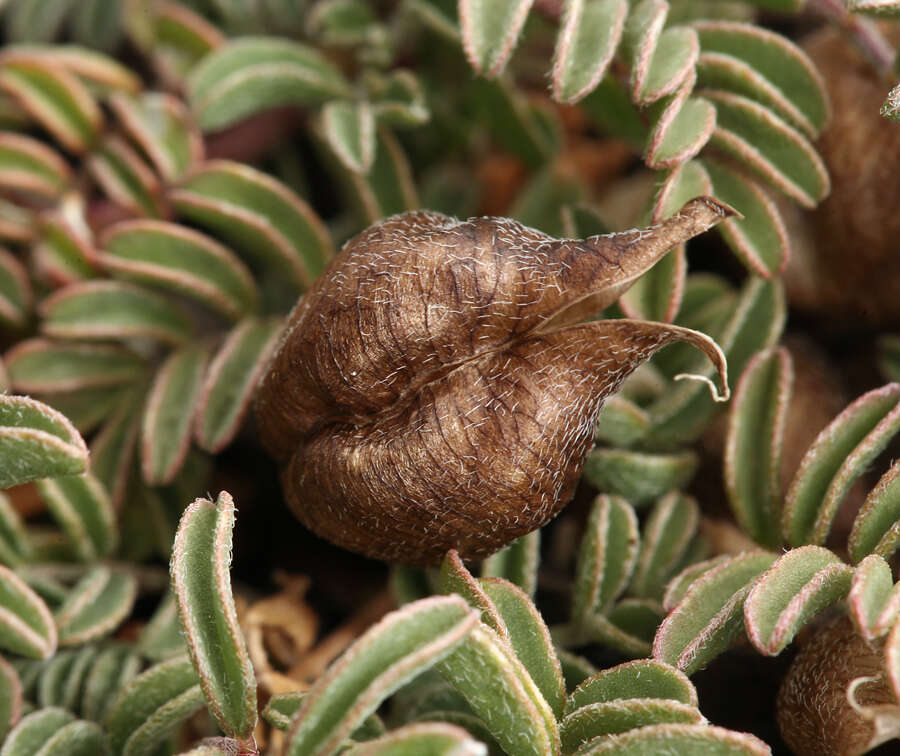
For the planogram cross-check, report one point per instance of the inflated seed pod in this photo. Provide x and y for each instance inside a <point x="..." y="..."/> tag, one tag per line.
<point x="845" y="256"/>
<point x="821" y="711"/>
<point x="437" y="386"/>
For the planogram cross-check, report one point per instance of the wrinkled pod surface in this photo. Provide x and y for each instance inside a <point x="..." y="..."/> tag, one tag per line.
<point x="437" y="387"/>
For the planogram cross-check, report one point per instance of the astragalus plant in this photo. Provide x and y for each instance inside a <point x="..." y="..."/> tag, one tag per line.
<point x="235" y="222"/>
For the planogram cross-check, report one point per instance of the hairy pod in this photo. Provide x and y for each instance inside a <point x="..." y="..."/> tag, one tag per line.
<point x="437" y="386"/>
<point x="822" y="709"/>
<point x="858" y="289"/>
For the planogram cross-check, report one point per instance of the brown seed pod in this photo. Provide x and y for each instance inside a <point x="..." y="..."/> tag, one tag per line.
<point x="834" y="700"/>
<point x="436" y="387"/>
<point x="845" y="258"/>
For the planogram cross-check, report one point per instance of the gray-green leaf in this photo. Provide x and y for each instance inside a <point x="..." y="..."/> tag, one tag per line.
<point x="168" y="414"/>
<point x="490" y="30"/>
<point x="177" y="258"/>
<point x="400" y="646"/>
<point x="251" y="74"/>
<point x="82" y="507"/>
<point x="753" y="444"/>
<point x="587" y="40"/>
<point x="498" y="688"/>
<point x="151" y="706"/>
<point x="710" y="615"/>
<point x="37" y="442"/>
<point x="96" y="605"/>
<point x="349" y="128"/>
<point x="231" y="380"/>
<point x="800" y="584"/>
<point x="839" y="455"/>
<point x="201" y="558"/>
<point x="606" y="557"/>
<point x="26" y="625"/>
